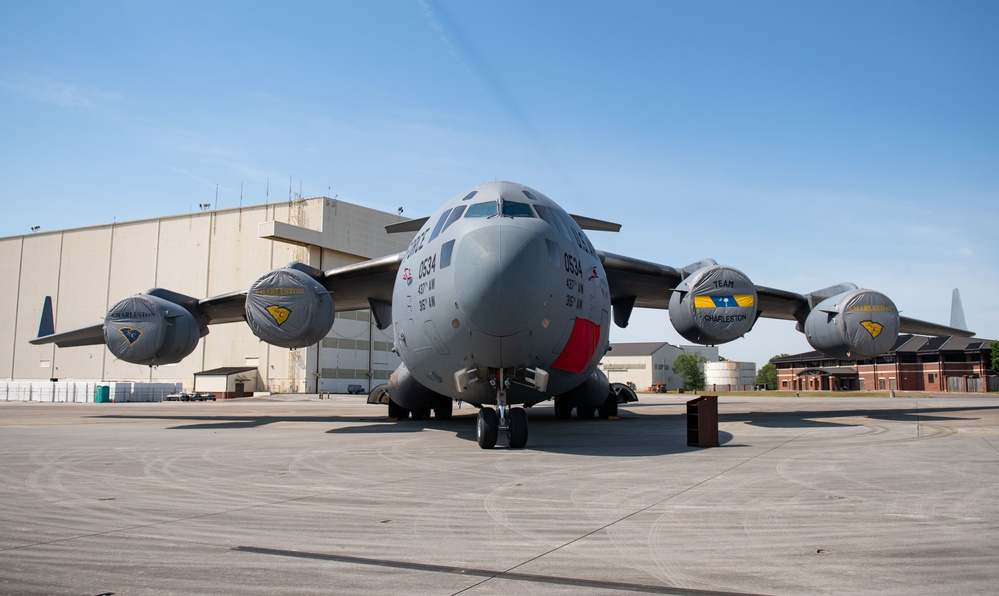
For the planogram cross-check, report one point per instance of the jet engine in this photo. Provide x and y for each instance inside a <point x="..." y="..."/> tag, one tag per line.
<point x="145" y="329"/>
<point x="406" y="391"/>
<point x="289" y="308"/>
<point x="714" y="305"/>
<point x="592" y="392"/>
<point x="853" y="325"/>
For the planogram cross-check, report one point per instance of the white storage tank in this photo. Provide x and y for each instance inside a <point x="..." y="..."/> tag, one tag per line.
<point x="729" y="375"/>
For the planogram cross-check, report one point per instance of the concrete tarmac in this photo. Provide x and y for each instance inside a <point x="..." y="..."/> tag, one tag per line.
<point x="804" y="496"/>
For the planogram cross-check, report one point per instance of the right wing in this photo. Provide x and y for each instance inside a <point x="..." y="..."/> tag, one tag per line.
<point x="357" y="286"/>
<point x="354" y="286"/>
<point x="84" y="336"/>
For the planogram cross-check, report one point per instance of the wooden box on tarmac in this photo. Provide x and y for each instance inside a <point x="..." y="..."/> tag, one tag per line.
<point x="702" y="421"/>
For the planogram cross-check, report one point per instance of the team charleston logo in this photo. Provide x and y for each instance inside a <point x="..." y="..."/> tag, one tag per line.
<point x="279" y="313"/>
<point x="131" y="334"/>
<point x="873" y="328"/>
<point x="742" y="300"/>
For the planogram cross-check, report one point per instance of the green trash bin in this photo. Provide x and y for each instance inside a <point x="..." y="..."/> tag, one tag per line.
<point x="103" y="394"/>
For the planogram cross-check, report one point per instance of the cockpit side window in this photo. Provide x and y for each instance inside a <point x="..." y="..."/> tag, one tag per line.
<point x="482" y="210"/>
<point x="470" y="195"/>
<point x="440" y="225"/>
<point x="454" y="216"/>
<point x="553" y="221"/>
<point x="581" y="240"/>
<point x="513" y="209"/>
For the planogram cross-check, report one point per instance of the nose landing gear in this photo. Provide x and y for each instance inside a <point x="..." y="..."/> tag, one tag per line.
<point x="490" y="421"/>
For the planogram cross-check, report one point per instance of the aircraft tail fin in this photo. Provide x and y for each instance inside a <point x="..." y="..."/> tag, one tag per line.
<point x="84" y="336"/>
<point x="957" y="311"/>
<point x="47" y="325"/>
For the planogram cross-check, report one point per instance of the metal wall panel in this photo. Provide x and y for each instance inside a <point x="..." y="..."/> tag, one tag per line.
<point x="10" y="265"/>
<point x="39" y="276"/>
<point x="134" y="250"/>
<point x="81" y="298"/>
<point x="133" y="259"/>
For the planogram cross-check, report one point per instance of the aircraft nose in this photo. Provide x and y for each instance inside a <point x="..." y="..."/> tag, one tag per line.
<point x="499" y="278"/>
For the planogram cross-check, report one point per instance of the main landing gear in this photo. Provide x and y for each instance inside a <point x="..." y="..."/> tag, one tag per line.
<point x="607" y="410"/>
<point x="490" y="421"/>
<point x="441" y="409"/>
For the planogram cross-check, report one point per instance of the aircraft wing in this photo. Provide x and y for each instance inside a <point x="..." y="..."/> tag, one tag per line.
<point x="917" y="327"/>
<point x="84" y="336"/>
<point x="355" y="286"/>
<point x="781" y="304"/>
<point x="224" y="308"/>
<point x="651" y="284"/>
<point x="352" y="286"/>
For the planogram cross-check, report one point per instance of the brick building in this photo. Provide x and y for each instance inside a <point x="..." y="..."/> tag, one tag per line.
<point x="915" y="363"/>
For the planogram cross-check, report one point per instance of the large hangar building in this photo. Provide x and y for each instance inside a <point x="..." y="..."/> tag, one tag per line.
<point x="87" y="270"/>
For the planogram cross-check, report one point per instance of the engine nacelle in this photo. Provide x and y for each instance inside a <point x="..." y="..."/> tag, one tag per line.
<point x="714" y="305"/>
<point x="144" y="329"/>
<point x="409" y="393"/>
<point x="592" y="392"/>
<point x="853" y="325"/>
<point x="288" y="308"/>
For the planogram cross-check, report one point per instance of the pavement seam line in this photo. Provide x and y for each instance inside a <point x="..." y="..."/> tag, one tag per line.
<point x="636" y="512"/>
<point x="160" y="523"/>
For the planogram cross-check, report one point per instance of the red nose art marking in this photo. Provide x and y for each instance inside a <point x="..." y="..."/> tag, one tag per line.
<point x="579" y="350"/>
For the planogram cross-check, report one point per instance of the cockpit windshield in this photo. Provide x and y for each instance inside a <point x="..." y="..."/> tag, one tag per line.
<point x="514" y="209"/>
<point x="482" y="210"/>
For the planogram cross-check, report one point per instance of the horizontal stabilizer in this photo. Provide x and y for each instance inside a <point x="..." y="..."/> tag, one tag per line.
<point x="957" y="311"/>
<point x="597" y="225"/>
<point x="410" y="225"/>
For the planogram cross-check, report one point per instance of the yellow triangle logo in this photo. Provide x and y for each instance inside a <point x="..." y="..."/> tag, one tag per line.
<point x="279" y="313"/>
<point x="873" y="328"/>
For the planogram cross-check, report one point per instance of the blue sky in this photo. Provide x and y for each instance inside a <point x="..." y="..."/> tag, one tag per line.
<point x="805" y="143"/>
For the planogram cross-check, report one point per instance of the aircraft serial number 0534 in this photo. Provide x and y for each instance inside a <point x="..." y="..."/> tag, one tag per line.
<point x="428" y="266"/>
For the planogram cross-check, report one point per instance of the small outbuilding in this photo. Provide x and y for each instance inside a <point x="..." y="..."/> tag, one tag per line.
<point x="227" y="381"/>
<point x="649" y="365"/>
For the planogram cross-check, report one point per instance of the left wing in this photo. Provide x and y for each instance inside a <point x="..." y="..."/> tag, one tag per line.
<point x="634" y="282"/>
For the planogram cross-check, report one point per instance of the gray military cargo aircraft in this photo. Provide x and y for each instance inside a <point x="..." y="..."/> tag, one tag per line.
<point x="500" y="301"/>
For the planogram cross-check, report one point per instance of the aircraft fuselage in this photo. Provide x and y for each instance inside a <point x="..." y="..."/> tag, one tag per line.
<point x="499" y="282"/>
